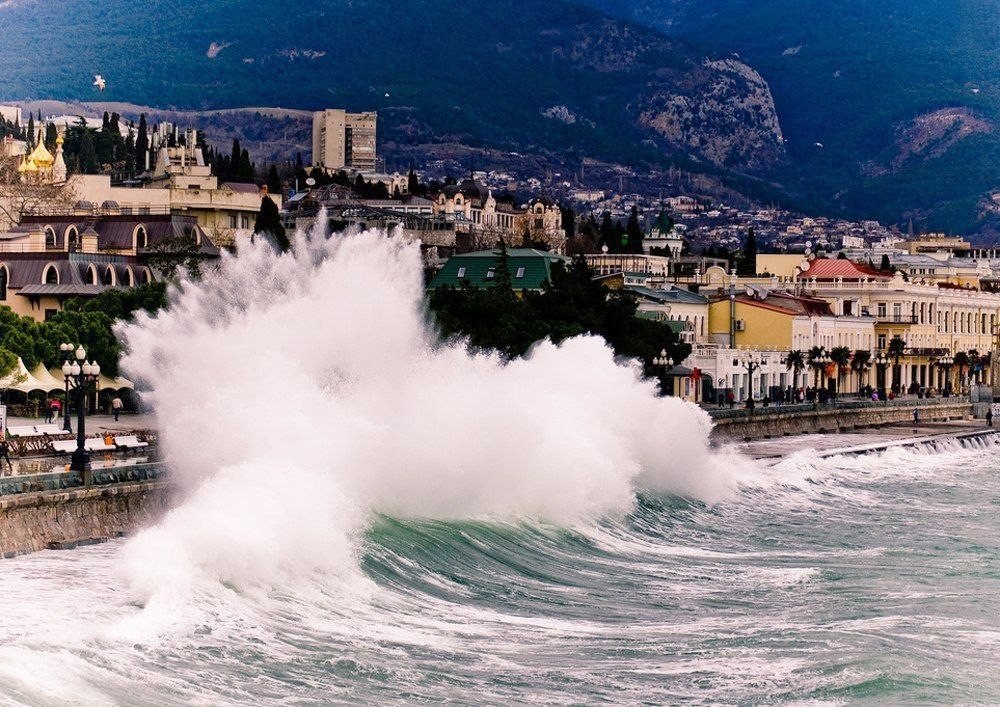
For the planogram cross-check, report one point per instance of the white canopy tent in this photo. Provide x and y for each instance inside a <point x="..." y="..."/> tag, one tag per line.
<point x="20" y="379"/>
<point x="43" y="376"/>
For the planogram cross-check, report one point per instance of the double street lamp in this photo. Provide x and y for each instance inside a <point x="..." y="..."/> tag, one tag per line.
<point x="946" y="362"/>
<point x="881" y="361"/>
<point x="81" y="373"/>
<point x="751" y="363"/>
<point x="666" y="363"/>
<point x="819" y="363"/>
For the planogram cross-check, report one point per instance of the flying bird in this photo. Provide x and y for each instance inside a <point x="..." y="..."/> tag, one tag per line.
<point x="100" y="82"/>
<point x="819" y="144"/>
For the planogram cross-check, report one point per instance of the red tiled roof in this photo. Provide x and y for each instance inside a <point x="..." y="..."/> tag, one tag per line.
<point x="825" y="269"/>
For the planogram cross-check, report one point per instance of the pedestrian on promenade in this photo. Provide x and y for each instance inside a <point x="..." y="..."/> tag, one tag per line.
<point x="989" y="417"/>
<point x="56" y="409"/>
<point x="116" y="407"/>
<point x="916" y="416"/>
<point x="874" y="396"/>
<point x="5" y="453"/>
<point x="731" y="399"/>
<point x="48" y="410"/>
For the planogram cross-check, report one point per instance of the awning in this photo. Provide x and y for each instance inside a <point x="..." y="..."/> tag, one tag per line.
<point x="51" y="380"/>
<point x="105" y="383"/>
<point x="20" y="379"/>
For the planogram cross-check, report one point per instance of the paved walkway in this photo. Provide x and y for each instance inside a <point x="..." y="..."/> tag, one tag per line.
<point x="105" y="424"/>
<point x="783" y="446"/>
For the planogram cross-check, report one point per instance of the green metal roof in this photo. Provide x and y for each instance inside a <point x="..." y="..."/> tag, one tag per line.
<point x="529" y="269"/>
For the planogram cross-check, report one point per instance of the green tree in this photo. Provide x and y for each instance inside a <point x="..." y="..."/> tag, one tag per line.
<point x="747" y="266"/>
<point x="860" y="363"/>
<point x="269" y="223"/>
<point x="814" y="357"/>
<point x="87" y="158"/>
<point x="273" y="181"/>
<point x="633" y="233"/>
<point x="141" y="144"/>
<point x="840" y="355"/>
<point x="795" y="362"/>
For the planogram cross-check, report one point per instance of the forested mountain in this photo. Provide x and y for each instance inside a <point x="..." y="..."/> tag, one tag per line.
<point x="501" y="73"/>
<point x="903" y="95"/>
<point x="888" y="110"/>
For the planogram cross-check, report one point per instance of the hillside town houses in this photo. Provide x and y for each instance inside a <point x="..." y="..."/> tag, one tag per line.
<point x="924" y="310"/>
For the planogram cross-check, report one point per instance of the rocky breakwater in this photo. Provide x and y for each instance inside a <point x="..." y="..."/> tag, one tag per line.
<point x="766" y="423"/>
<point x="54" y="511"/>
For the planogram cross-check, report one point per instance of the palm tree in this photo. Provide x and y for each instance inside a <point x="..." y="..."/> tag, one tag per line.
<point x="795" y="361"/>
<point x="816" y="353"/>
<point x="860" y="363"/>
<point x="840" y="355"/>
<point x="897" y="347"/>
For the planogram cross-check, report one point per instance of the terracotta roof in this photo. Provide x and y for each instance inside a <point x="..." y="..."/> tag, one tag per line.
<point x="826" y="269"/>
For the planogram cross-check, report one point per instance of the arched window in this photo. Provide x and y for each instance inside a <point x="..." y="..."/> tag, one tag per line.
<point x="4" y="279"/>
<point x="72" y="238"/>
<point x="141" y="237"/>
<point x="92" y="275"/>
<point x="50" y="237"/>
<point x="109" y="276"/>
<point x="129" y="277"/>
<point x="51" y="275"/>
<point x="144" y="277"/>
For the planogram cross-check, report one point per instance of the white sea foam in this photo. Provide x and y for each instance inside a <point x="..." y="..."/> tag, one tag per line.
<point x="299" y="393"/>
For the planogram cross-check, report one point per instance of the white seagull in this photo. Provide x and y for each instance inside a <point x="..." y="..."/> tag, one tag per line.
<point x="100" y="82"/>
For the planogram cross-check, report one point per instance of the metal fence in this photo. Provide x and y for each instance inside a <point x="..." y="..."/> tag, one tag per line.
<point x="759" y="410"/>
<point x="64" y="480"/>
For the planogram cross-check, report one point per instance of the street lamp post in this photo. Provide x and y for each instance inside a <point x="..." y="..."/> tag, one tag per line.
<point x="67" y="427"/>
<point x="819" y="364"/>
<point x="751" y="364"/>
<point x="82" y="373"/>
<point x="946" y="362"/>
<point x="881" y="361"/>
<point x="665" y="362"/>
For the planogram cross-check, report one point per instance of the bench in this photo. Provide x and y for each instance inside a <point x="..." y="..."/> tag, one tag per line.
<point x="23" y="431"/>
<point x="128" y="442"/>
<point x="50" y="429"/>
<point x="63" y="446"/>
<point x="97" y="444"/>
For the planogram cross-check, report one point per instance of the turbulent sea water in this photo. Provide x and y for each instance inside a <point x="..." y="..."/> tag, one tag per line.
<point x="863" y="579"/>
<point x="391" y="519"/>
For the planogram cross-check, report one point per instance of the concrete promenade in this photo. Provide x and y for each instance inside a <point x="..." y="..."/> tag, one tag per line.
<point x="887" y="435"/>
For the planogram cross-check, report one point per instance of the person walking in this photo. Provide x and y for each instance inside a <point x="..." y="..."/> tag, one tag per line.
<point x="989" y="416"/>
<point x="116" y="407"/>
<point x="5" y="453"/>
<point x="48" y="410"/>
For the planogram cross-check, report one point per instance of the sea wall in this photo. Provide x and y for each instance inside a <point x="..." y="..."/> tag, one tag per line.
<point x="83" y="515"/>
<point x="775" y="423"/>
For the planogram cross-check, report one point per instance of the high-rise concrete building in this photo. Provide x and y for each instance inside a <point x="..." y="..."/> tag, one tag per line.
<point x="343" y="140"/>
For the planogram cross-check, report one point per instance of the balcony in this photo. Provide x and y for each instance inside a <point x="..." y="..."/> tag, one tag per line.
<point x="933" y="352"/>
<point x="897" y="319"/>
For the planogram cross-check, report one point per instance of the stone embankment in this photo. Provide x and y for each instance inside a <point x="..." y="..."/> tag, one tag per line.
<point x="767" y="423"/>
<point x="69" y="514"/>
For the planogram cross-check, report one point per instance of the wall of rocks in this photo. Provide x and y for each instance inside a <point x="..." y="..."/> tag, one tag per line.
<point x="64" y="519"/>
<point x="766" y="426"/>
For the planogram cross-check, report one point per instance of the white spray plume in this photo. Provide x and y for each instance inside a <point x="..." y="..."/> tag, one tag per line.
<point x="299" y="393"/>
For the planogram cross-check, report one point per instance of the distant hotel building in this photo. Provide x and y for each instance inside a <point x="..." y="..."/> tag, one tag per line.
<point x="343" y="140"/>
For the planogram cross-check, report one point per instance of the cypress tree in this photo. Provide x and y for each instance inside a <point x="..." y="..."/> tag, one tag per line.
<point x="141" y="143"/>
<point x="269" y="223"/>
<point x="88" y="154"/>
<point x="31" y="131"/>
<point x="273" y="181"/>
<point x="633" y="232"/>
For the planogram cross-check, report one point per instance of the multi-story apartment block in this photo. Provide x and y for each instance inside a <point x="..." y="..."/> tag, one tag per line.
<point x="343" y="140"/>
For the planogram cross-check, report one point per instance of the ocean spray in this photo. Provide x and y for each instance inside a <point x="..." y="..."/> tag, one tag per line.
<point x="299" y="393"/>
